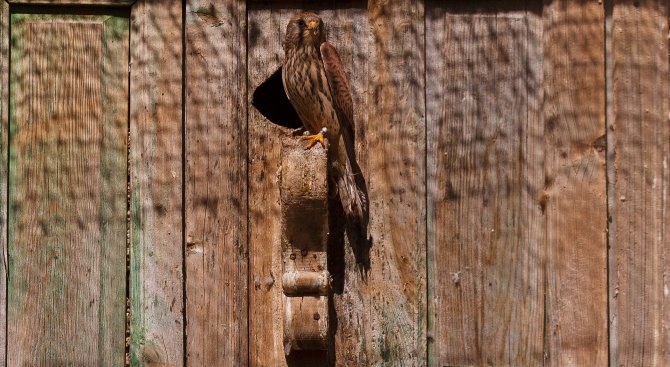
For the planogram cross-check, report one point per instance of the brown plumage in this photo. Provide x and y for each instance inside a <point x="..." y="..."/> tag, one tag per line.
<point x="316" y="84"/>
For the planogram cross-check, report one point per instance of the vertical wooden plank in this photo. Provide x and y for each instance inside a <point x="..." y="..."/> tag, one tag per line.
<point x="216" y="202"/>
<point x="575" y="183"/>
<point x="67" y="190"/>
<point x="352" y="298"/>
<point x="156" y="251"/>
<point x="393" y="291"/>
<point x="485" y="174"/>
<point x="4" y="140"/>
<point x="265" y="307"/>
<point x="639" y="147"/>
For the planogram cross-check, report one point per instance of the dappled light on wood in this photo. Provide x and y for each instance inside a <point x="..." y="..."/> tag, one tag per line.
<point x="216" y="183"/>
<point x="485" y="168"/>
<point x="514" y="153"/>
<point x="68" y="190"/>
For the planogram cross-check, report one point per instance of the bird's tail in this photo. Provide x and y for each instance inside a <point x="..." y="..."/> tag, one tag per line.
<point x="352" y="191"/>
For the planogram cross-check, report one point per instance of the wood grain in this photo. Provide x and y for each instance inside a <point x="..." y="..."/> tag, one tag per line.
<point x="67" y="190"/>
<point x="575" y="184"/>
<point x="73" y="2"/>
<point x="347" y="27"/>
<point x="156" y="249"/>
<point x="639" y="137"/>
<point x="392" y="311"/>
<point x="265" y="267"/>
<point x="304" y="242"/>
<point x="485" y="173"/>
<point x="216" y="192"/>
<point x="4" y="153"/>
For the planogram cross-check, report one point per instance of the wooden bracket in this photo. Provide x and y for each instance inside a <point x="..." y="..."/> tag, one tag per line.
<point x="304" y="223"/>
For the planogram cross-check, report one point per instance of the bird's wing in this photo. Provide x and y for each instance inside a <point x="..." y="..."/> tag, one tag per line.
<point x="339" y="89"/>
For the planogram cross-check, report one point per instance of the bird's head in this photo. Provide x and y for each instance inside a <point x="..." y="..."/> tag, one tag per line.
<point x="304" y="29"/>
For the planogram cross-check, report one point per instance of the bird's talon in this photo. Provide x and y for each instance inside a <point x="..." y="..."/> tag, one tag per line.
<point x="313" y="139"/>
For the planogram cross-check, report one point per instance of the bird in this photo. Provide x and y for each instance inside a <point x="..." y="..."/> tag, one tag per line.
<point x="317" y="86"/>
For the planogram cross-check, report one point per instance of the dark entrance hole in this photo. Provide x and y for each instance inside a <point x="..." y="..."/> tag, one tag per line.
<point x="271" y="101"/>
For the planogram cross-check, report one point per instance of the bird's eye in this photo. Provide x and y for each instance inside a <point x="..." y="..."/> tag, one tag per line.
<point x="301" y="22"/>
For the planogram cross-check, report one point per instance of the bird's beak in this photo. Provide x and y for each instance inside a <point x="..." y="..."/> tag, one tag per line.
<point x="312" y="25"/>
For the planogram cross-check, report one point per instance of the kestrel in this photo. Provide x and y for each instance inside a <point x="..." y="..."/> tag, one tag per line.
<point x="316" y="85"/>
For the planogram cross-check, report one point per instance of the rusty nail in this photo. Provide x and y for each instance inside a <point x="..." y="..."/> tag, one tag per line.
<point x="316" y="316"/>
<point x="292" y="256"/>
<point x="303" y="252"/>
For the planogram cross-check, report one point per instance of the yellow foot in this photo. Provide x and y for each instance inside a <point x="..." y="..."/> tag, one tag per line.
<point x="313" y="139"/>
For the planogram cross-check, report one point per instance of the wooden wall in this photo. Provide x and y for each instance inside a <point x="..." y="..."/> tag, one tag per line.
<point x="516" y="157"/>
<point x="379" y="312"/>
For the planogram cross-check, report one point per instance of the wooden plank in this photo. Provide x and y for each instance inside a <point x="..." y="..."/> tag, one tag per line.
<point x="67" y="190"/>
<point x="74" y="2"/>
<point x="575" y="184"/>
<point x="216" y="205"/>
<point x="265" y="304"/>
<point x="639" y="137"/>
<point x="393" y="295"/>
<point x="348" y="30"/>
<point x="156" y="250"/>
<point x="485" y="173"/>
<point x="4" y="150"/>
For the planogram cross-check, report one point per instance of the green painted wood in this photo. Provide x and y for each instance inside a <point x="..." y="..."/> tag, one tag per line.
<point x="4" y="138"/>
<point x="67" y="190"/>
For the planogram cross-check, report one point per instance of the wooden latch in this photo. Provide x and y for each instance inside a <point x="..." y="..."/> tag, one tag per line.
<point x="304" y="223"/>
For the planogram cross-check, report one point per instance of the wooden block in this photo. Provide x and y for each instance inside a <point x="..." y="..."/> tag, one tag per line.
<point x="305" y="323"/>
<point x="306" y="282"/>
<point x="304" y="223"/>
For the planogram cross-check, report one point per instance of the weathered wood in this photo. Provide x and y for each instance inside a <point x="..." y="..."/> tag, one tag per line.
<point x="575" y="187"/>
<point x="303" y="189"/>
<point x="156" y="248"/>
<point x="639" y="137"/>
<point x="216" y="183"/>
<point x="347" y="27"/>
<point x="67" y="190"/>
<point x="486" y="235"/>
<point x="392" y="312"/>
<point x="4" y="151"/>
<point x="74" y="2"/>
<point x="265" y="302"/>
<point x="351" y="34"/>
